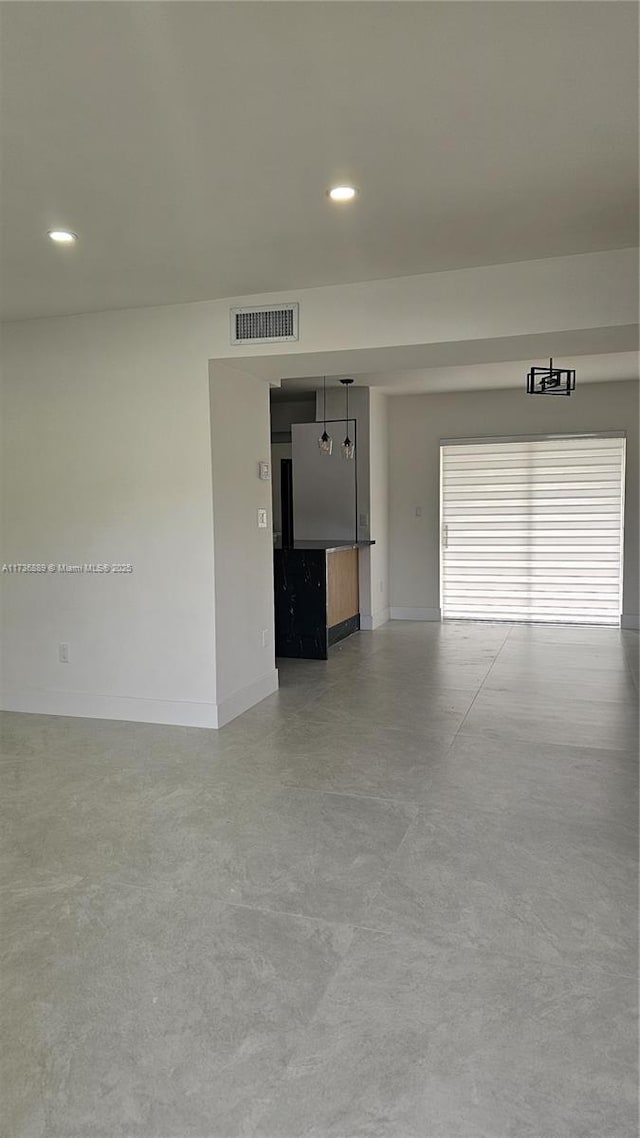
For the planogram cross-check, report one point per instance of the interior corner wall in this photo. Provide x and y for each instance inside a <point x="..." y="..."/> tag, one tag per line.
<point x="418" y="423"/>
<point x="107" y="460"/>
<point x="243" y="552"/>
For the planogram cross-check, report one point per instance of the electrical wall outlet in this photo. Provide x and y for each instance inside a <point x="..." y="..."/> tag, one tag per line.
<point x="63" y="653"/>
<point x="262" y="519"/>
<point x="264" y="471"/>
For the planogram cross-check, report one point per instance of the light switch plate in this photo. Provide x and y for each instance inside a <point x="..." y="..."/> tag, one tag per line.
<point x="264" y="471"/>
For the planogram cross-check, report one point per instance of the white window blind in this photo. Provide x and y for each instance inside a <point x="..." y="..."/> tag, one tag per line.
<point x="532" y="529"/>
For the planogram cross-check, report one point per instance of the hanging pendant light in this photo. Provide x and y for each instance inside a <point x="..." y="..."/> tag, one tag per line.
<point x="325" y="442"/>
<point x="348" y="447"/>
<point x="551" y="380"/>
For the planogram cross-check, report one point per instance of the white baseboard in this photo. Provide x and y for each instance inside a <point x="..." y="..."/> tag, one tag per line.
<point x="630" y="621"/>
<point x="406" y="613"/>
<point x="86" y="705"/>
<point x="374" y="620"/>
<point x="242" y="700"/>
<point x="177" y="713"/>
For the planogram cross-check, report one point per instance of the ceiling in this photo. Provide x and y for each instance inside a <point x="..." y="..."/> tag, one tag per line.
<point x="190" y="144"/>
<point x="602" y="368"/>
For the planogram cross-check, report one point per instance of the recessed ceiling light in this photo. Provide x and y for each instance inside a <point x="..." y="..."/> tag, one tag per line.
<point x="63" y="236"/>
<point x="342" y="193"/>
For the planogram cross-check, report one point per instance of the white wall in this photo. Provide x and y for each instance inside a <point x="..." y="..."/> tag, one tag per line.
<point x="108" y="453"/>
<point x="286" y="412"/>
<point x="243" y="552"/>
<point x="108" y="459"/>
<point x="592" y="291"/>
<point x="375" y="610"/>
<point x="417" y="423"/>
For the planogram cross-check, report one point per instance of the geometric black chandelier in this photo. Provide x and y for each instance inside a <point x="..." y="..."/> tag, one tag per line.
<point x="551" y="380"/>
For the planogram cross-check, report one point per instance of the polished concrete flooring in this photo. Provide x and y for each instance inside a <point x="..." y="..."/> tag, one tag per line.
<point x="395" y="900"/>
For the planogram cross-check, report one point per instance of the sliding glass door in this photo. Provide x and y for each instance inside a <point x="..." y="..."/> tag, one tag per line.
<point x="532" y="529"/>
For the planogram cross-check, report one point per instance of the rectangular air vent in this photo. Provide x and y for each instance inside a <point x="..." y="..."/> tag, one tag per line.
<point x="269" y="324"/>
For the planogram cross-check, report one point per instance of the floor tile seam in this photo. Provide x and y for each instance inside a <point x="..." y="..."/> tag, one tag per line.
<point x="424" y="688"/>
<point x="529" y="681"/>
<point x="404" y="802"/>
<point x="356" y="718"/>
<point x="444" y="806"/>
<point x="486" y="954"/>
<point x="353" y="719"/>
<point x="327" y="689"/>
<point x="292" y="1052"/>
<point x="560" y="653"/>
<point x="449" y="803"/>
<point x="398" y="934"/>
<point x="567" y="746"/>
<point x="484" y="680"/>
<point x="630" y="703"/>
<point x="511" y="738"/>
<point x="452" y="810"/>
<point x="218" y="900"/>
<point x="506" y="629"/>
<point x="524" y="686"/>
<point x="622" y="703"/>
<point x="277" y="780"/>
<point x="318" y="695"/>
<point x="471" y="705"/>
<point x="316" y="920"/>
<point x="274" y="780"/>
<point x="253" y="746"/>
<point x="494" y="661"/>
<point x="299" y="1045"/>
<point x="419" y="805"/>
<point x="392" y="863"/>
<point x="416" y="821"/>
<point x="491" y="954"/>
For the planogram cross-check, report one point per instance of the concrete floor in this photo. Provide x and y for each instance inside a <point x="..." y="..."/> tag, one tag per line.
<point x="396" y="900"/>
